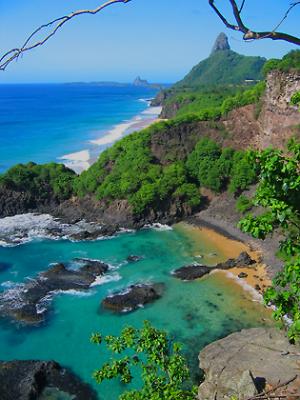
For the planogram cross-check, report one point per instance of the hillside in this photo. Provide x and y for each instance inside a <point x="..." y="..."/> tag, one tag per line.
<point x="223" y="66"/>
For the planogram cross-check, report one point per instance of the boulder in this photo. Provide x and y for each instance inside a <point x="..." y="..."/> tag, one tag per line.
<point x="245" y="363"/>
<point x="28" y="380"/>
<point x="191" y="272"/>
<point x="133" y="297"/>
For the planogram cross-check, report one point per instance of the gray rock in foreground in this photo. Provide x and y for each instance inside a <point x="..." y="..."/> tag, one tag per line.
<point x="246" y="362"/>
<point x="28" y="380"/>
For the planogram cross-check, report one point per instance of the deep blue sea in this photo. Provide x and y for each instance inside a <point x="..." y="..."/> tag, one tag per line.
<point x="43" y="122"/>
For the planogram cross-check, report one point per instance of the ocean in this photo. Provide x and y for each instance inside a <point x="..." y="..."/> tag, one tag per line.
<point x="51" y="122"/>
<point x="42" y="123"/>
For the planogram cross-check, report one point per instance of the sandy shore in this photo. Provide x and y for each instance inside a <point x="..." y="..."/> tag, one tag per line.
<point x="225" y="247"/>
<point x="78" y="161"/>
<point x="82" y="160"/>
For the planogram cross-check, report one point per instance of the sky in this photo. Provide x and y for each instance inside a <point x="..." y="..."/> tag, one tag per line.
<point x="158" y="39"/>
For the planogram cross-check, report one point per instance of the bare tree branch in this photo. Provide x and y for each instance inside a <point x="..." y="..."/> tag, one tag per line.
<point x="57" y="23"/>
<point x="249" y="34"/>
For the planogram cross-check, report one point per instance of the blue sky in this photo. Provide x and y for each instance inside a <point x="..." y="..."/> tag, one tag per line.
<point x="157" y="39"/>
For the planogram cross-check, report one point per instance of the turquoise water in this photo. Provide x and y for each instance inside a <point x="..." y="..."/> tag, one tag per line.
<point x="195" y="313"/>
<point x="42" y="122"/>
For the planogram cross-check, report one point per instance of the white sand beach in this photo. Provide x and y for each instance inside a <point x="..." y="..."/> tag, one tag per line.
<point x="135" y="124"/>
<point x="82" y="160"/>
<point x="78" y="161"/>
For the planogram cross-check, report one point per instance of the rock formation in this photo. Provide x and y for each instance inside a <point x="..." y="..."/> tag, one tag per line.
<point x="221" y="43"/>
<point x="28" y="380"/>
<point x="248" y="362"/>
<point x="133" y="297"/>
<point x="29" y="303"/>
<point x="191" y="272"/>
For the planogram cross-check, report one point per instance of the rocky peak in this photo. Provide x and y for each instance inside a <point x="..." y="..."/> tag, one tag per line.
<point x="221" y="43"/>
<point x="140" y="82"/>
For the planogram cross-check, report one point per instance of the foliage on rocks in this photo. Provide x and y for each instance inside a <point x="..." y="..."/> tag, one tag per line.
<point x="279" y="193"/>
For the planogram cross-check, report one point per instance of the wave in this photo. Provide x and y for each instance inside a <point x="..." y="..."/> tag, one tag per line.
<point x="159" y="227"/>
<point x="24" y="228"/>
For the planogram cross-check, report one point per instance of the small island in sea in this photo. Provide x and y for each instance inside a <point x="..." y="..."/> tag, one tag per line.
<point x="142" y="223"/>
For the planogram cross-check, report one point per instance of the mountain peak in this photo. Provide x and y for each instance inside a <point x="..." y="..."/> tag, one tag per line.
<point x="221" y="43"/>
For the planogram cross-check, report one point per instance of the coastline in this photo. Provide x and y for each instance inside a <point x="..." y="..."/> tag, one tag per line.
<point x="228" y="246"/>
<point x="82" y="160"/>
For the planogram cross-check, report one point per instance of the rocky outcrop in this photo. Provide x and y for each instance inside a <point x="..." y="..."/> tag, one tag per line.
<point x="273" y="121"/>
<point x="278" y="117"/>
<point x="249" y="362"/>
<point x="28" y="380"/>
<point x="192" y="272"/>
<point x="29" y="303"/>
<point x="221" y="43"/>
<point x="133" y="297"/>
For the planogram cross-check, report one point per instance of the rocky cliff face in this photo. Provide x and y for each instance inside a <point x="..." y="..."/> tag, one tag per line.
<point x="272" y="122"/>
<point x="278" y="119"/>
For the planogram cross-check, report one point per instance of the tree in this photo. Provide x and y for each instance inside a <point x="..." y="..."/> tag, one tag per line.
<point x="238" y="25"/>
<point x="164" y="372"/>
<point x="279" y="193"/>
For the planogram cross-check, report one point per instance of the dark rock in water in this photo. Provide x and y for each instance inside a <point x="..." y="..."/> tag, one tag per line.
<point x="133" y="297"/>
<point x="191" y="272"/>
<point x="4" y="266"/>
<point x="133" y="258"/>
<point x="28" y="303"/>
<point x="27" y="380"/>
<point x="93" y="234"/>
<point x="242" y="275"/>
<point x="242" y="260"/>
<point x="92" y="266"/>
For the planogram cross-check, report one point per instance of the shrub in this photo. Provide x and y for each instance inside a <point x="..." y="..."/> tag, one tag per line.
<point x="243" y="204"/>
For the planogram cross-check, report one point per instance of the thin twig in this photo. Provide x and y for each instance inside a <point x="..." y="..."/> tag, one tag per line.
<point x="15" y="53"/>
<point x="265" y="394"/>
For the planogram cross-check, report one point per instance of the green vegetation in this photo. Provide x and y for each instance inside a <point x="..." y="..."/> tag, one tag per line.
<point x="289" y="62"/>
<point x="212" y="104"/>
<point x="244" y="204"/>
<point x="165" y="375"/>
<point x="41" y="181"/>
<point x="215" y="168"/>
<point x="129" y="171"/>
<point x="296" y="99"/>
<point x="279" y="193"/>
<point x="224" y="67"/>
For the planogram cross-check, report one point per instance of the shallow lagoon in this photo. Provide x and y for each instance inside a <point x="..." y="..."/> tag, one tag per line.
<point x="195" y="313"/>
